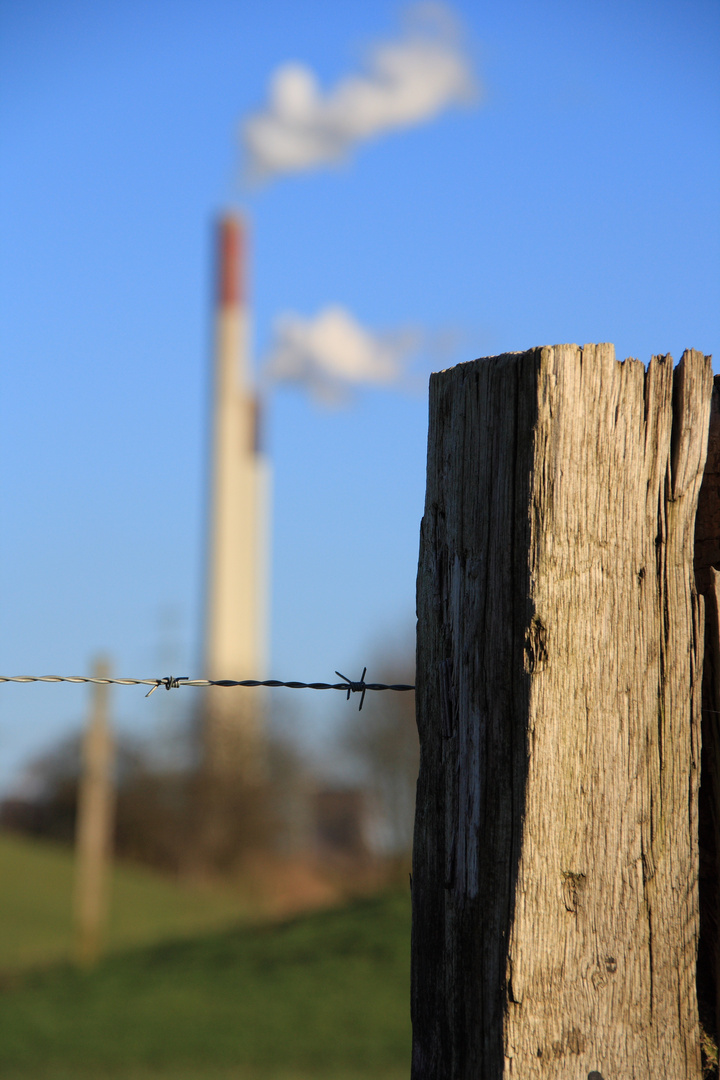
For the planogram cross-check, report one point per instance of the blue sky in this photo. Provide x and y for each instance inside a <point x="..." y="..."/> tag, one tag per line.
<point x="575" y="201"/>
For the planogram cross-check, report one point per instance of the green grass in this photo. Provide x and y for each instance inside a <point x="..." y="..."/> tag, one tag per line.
<point x="325" y="995"/>
<point x="190" y="991"/>
<point x="36" y="881"/>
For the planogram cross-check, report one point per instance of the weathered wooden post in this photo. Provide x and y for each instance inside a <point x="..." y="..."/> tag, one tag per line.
<point x="93" y="834"/>
<point x="560" y="650"/>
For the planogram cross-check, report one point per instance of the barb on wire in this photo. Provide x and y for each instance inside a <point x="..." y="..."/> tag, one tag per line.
<point x="355" y="687"/>
<point x="171" y="682"/>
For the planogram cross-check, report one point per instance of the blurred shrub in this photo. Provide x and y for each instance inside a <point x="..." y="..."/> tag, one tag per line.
<point x="383" y="742"/>
<point x="174" y="819"/>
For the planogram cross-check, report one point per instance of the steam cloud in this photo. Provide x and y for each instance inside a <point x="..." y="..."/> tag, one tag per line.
<point x="333" y="354"/>
<point x="408" y="82"/>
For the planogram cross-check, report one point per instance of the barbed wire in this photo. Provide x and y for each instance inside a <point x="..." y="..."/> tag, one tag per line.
<point x="172" y="682"/>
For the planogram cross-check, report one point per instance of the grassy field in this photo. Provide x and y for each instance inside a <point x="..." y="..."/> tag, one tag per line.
<point x="323" y="995"/>
<point x="36" y="881"/>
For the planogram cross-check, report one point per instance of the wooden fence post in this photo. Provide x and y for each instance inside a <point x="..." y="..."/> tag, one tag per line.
<point x="560" y="650"/>
<point x="93" y="834"/>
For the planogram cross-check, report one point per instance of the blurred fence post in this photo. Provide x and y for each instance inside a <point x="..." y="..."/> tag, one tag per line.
<point x="560" y="650"/>
<point x="95" y="814"/>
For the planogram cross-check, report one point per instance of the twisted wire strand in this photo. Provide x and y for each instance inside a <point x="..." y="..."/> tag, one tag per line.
<point x="171" y="682"/>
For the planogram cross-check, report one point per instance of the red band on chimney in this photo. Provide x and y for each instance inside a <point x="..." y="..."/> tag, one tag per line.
<point x="230" y="252"/>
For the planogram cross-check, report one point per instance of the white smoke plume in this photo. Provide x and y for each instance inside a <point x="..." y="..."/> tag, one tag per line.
<point x="332" y="354"/>
<point x="407" y="82"/>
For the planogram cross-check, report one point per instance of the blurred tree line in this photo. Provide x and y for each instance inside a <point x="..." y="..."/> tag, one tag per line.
<point x="161" y="817"/>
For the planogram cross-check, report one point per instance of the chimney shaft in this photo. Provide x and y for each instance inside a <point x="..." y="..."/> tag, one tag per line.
<point x="230" y="245"/>
<point x="236" y="586"/>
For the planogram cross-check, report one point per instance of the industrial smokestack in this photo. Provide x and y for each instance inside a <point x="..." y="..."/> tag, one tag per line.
<point x="230" y="242"/>
<point x="236" y="604"/>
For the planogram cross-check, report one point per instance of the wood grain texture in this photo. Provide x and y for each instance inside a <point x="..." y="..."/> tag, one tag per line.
<point x="555" y="907"/>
